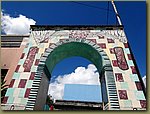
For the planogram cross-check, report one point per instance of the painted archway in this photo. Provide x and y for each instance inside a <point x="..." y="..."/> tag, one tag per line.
<point x="67" y="48"/>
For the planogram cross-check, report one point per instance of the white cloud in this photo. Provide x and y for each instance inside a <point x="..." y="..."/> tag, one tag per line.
<point x="16" y="25"/>
<point x="81" y="75"/>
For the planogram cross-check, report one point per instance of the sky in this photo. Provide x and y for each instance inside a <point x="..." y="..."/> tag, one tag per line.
<point x="73" y="63"/>
<point x="84" y="74"/>
<point x="18" y="16"/>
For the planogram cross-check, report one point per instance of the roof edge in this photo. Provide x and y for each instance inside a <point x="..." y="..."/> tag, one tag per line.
<point x="70" y="27"/>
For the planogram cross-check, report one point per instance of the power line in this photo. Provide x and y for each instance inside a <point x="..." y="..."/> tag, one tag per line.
<point x="93" y="6"/>
<point x="104" y="9"/>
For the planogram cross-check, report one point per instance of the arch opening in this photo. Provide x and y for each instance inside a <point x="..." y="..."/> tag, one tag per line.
<point x="68" y="65"/>
<point x="79" y="74"/>
<point x="74" y="49"/>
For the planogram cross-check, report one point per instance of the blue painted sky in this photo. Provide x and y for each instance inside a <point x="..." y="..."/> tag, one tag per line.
<point x="79" y="92"/>
<point x="133" y="16"/>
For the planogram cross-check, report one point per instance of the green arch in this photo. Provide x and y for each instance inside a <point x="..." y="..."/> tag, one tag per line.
<point x="68" y="48"/>
<point x="74" y="49"/>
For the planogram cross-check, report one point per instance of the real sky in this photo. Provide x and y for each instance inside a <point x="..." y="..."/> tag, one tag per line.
<point x="133" y="16"/>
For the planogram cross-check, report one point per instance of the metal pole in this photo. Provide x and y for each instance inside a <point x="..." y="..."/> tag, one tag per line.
<point x="115" y="9"/>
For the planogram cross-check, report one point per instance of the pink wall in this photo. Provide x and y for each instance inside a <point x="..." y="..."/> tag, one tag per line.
<point x="9" y="60"/>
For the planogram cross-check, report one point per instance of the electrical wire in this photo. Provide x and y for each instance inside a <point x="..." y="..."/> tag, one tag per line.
<point x="93" y="6"/>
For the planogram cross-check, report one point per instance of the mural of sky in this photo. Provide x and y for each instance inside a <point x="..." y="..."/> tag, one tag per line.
<point x="79" y="92"/>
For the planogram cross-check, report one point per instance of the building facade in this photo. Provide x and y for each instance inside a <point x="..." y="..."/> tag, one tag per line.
<point x="105" y="46"/>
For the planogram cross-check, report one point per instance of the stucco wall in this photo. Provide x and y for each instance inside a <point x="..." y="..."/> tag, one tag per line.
<point x="10" y="56"/>
<point x="9" y="60"/>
